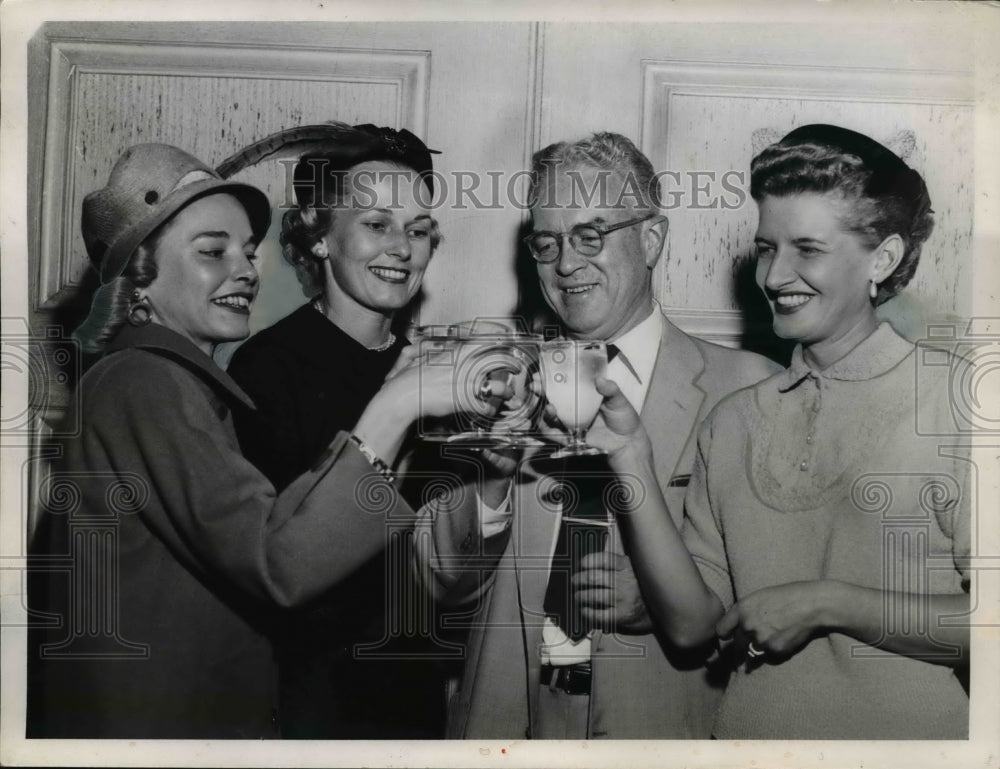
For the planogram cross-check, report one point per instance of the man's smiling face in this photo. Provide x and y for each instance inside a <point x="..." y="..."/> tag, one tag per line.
<point x="601" y="296"/>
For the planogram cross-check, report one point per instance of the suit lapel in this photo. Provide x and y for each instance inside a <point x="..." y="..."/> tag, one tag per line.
<point x="674" y="399"/>
<point x="536" y="518"/>
<point x="669" y="415"/>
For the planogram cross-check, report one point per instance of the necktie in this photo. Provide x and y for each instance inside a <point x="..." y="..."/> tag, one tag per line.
<point x="613" y="352"/>
<point x="583" y="529"/>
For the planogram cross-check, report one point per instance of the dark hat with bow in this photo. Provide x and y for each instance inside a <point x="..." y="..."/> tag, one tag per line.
<point x="890" y="176"/>
<point x="330" y="149"/>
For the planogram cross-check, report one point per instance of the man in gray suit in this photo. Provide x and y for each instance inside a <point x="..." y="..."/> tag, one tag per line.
<point x="597" y="235"/>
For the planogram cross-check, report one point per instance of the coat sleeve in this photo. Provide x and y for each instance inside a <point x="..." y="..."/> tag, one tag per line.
<point x="212" y="507"/>
<point x="454" y="563"/>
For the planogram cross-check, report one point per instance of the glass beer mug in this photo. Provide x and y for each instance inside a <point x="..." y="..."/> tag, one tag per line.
<point x="491" y="356"/>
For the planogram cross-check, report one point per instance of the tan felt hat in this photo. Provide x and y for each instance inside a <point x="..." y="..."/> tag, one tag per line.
<point x="149" y="184"/>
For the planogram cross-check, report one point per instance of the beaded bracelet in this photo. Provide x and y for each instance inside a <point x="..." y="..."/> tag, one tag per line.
<point x="381" y="467"/>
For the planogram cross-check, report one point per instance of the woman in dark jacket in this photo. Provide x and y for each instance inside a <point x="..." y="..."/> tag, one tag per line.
<point x="167" y="546"/>
<point x="360" y="240"/>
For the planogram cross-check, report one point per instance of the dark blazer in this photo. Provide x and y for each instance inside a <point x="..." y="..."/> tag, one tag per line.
<point x="640" y="687"/>
<point x="180" y="547"/>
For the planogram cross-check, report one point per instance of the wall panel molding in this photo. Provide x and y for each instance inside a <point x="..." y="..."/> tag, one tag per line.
<point x="711" y="117"/>
<point x="662" y="78"/>
<point x="402" y="75"/>
<point x="725" y="327"/>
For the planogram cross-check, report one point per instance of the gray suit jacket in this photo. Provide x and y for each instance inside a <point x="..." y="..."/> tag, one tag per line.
<point x="641" y="687"/>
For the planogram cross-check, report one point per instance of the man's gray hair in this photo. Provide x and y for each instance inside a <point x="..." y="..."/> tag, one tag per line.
<point x="603" y="150"/>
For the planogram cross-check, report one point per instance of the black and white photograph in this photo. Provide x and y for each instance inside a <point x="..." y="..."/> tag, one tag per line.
<point x="497" y="385"/>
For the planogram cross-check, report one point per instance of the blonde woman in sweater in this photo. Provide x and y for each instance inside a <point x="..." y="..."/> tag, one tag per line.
<point x="826" y="530"/>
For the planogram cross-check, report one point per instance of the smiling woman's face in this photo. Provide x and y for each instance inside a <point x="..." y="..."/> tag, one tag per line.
<point x="206" y="280"/>
<point x="380" y="242"/>
<point x="814" y="272"/>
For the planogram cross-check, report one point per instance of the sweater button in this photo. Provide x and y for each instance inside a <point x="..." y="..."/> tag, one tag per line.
<point x="803" y="465"/>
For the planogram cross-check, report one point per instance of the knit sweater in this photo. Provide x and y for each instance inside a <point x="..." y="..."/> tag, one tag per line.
<point x="836" y="474"/>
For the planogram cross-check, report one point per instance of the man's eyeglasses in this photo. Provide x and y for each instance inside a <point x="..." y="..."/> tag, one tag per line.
<point x="586" y="239"/>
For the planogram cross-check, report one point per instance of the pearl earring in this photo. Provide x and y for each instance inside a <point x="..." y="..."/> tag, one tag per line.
<point x="873" y="290"/>
<point x="138" y="312"/>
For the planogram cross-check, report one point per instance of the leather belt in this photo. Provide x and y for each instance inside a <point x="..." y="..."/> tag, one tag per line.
<point x="572" y="679"/>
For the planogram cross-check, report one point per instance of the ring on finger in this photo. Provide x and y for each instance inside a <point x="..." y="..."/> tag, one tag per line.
<point x="753" y="651"/>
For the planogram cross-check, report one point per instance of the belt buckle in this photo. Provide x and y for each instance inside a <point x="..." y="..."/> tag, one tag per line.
<point x="572" y="679"/>
<point x="577" y="679"/>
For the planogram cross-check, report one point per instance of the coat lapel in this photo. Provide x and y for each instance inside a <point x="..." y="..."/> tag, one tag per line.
<point x="670" y="411"/>
<point x="674" y="399"/>
<point x="537" y="512"/>
<point x="163" y="341"/>
<point x="536" y="517"/>
<point x="508" y="633"/>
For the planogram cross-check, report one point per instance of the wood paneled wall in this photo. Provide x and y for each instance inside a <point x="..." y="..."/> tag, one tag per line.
<point x="213" y="88"/>
<point x="704" y="98"/>
<point x="696" y="97"/>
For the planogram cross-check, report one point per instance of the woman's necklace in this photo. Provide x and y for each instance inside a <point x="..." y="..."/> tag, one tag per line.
<point x="317" y="303"/>
<point x="389" y="342"/>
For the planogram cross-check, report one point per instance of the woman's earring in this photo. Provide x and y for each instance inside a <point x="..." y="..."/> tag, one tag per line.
<point x="320" y="251"/>
<point x="138" y="310"/>
<point x="873" y="290"/>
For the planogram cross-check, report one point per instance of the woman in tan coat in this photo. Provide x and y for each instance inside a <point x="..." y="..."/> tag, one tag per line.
<point x="177" y="546"/>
